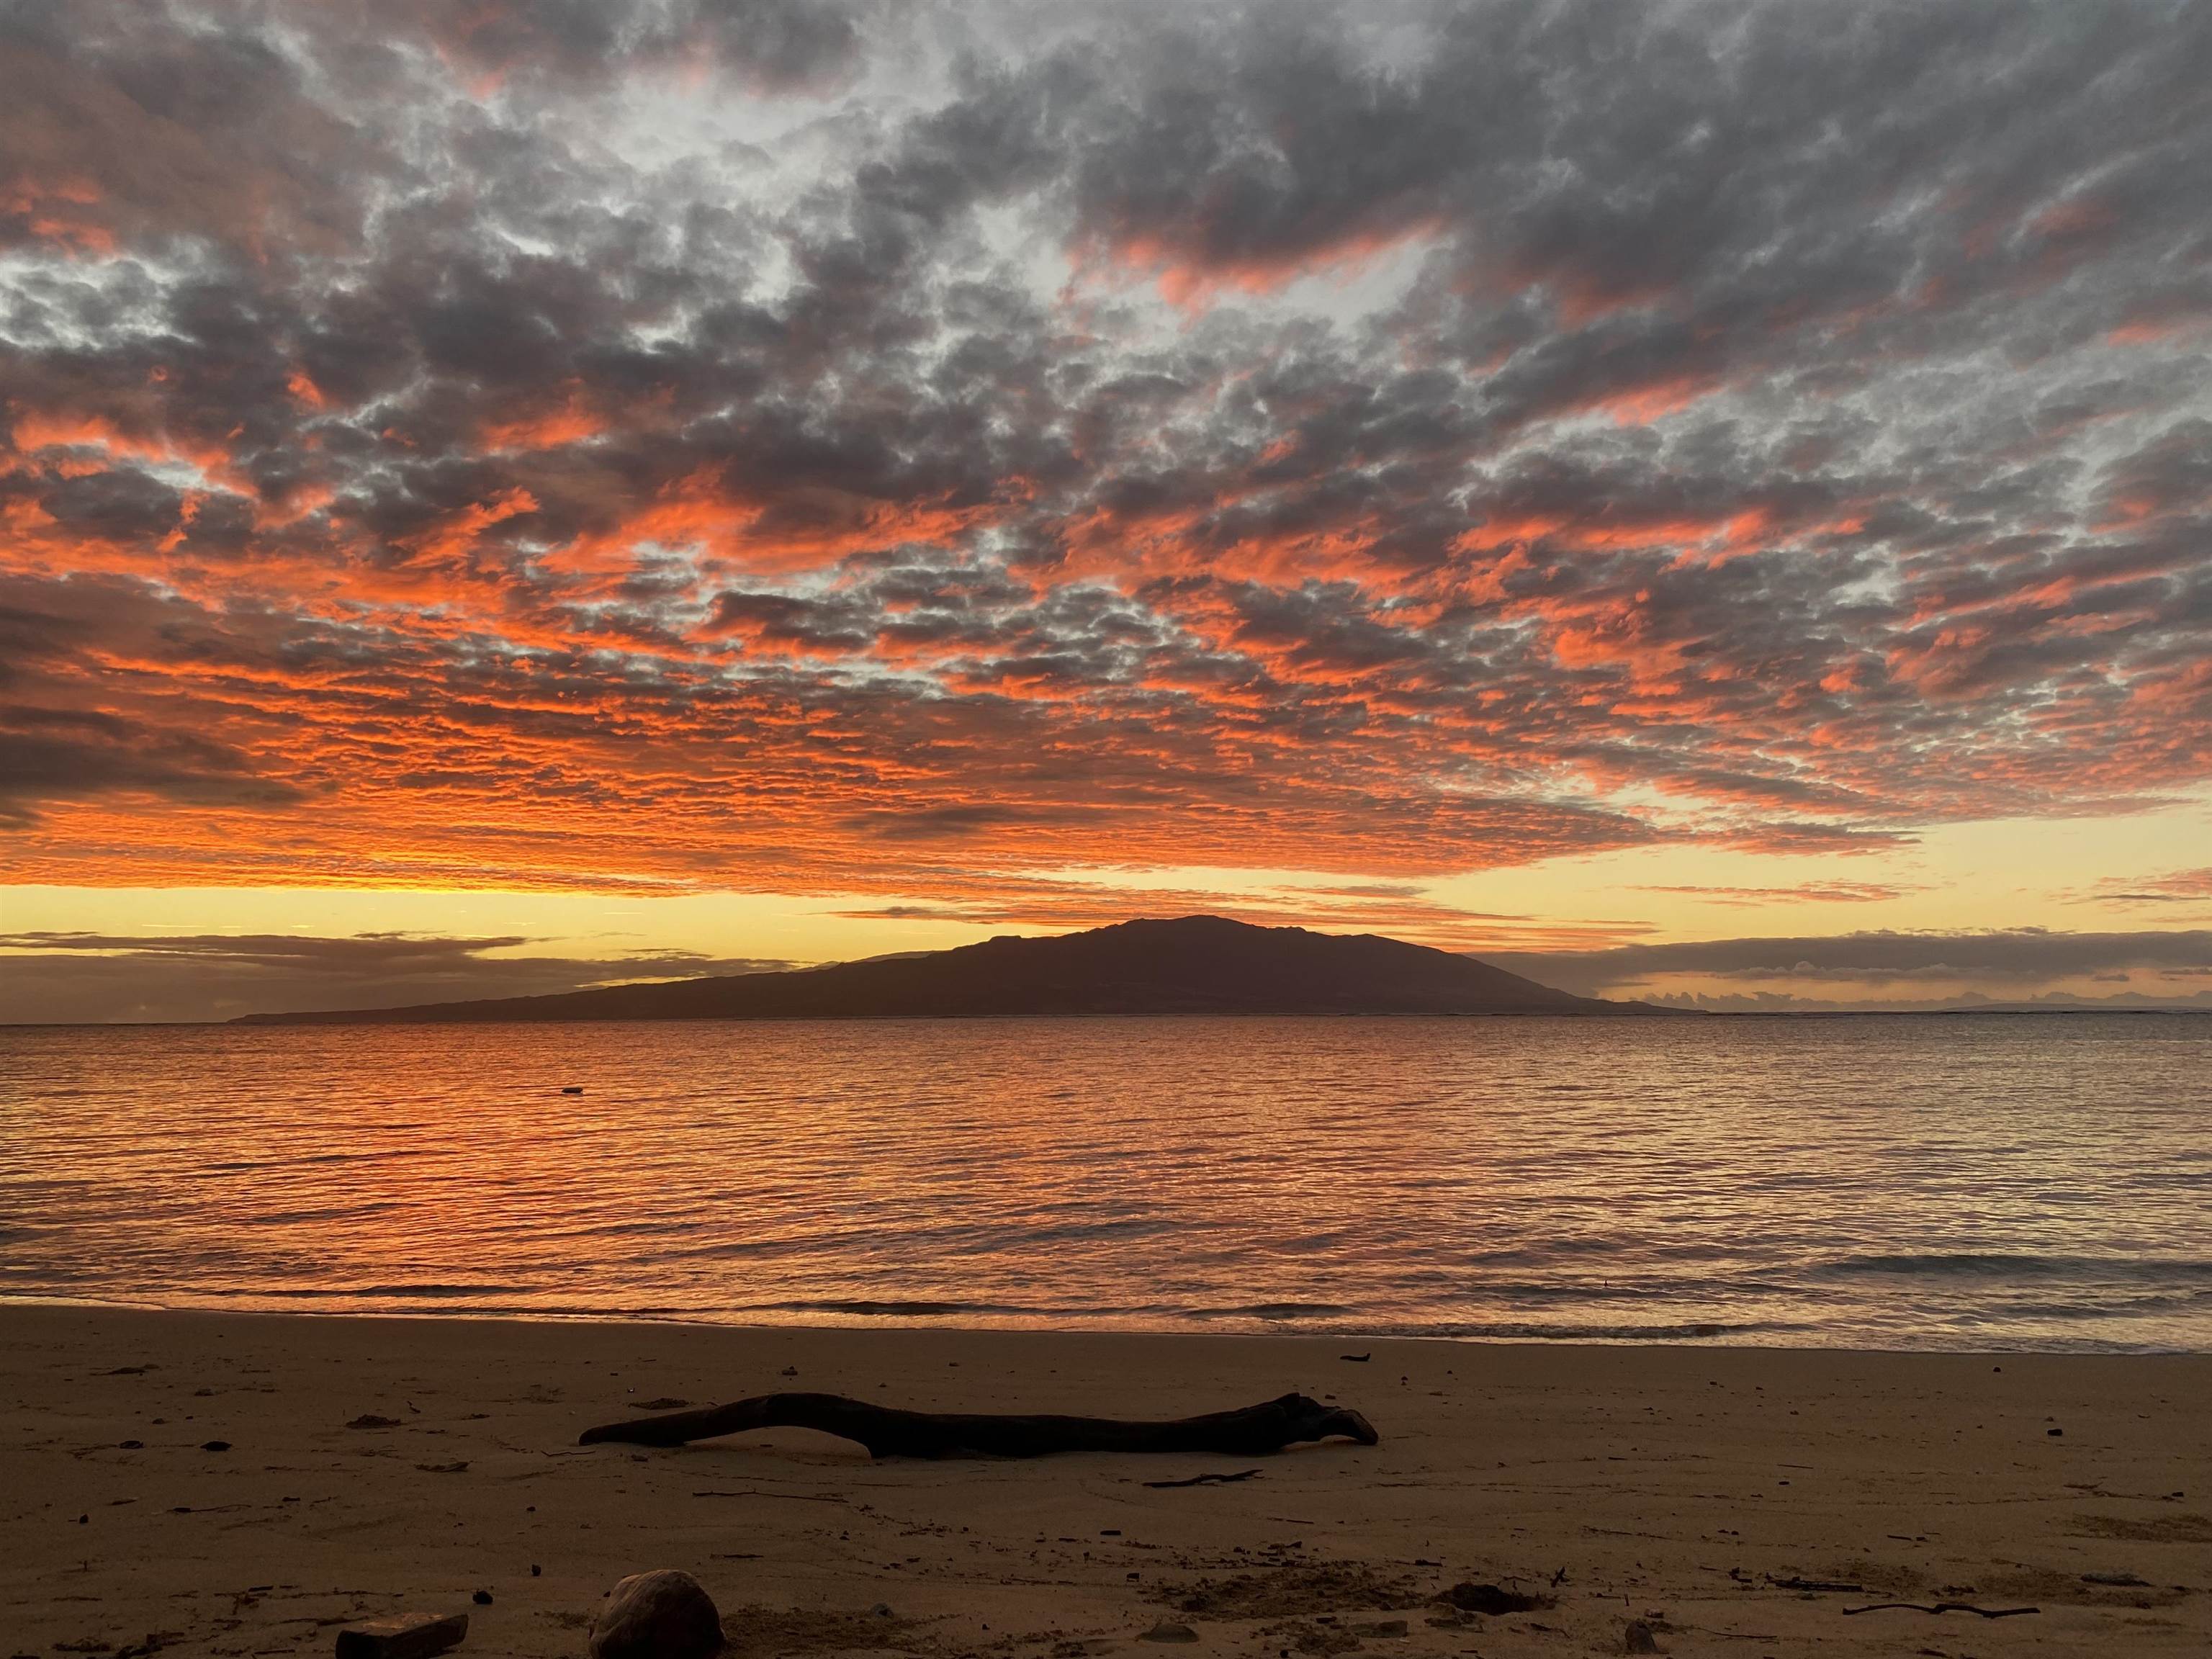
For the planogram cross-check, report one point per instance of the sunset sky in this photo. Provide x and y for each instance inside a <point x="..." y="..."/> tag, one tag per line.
<point x="1709" y="501"/>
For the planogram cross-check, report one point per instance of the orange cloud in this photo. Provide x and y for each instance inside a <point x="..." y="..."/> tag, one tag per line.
<point x="1193" y="283"/>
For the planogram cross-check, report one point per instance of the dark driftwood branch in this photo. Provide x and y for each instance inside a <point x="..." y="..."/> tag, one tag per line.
<point x="1944" y="1607"/>
<point x="1207" y="1480"/>
<point x="885" y="1432"/>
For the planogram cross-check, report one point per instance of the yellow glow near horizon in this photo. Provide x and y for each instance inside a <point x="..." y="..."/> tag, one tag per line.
<point x="1965" y="877"/>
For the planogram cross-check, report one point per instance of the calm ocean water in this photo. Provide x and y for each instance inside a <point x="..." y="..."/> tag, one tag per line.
<point x="1977" y="1181"/>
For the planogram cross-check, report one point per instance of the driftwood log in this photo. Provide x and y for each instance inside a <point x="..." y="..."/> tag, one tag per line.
<point x="886" y="1433"/>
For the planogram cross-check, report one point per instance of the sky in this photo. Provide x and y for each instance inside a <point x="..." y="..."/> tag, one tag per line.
<point x="1704" y="501"/>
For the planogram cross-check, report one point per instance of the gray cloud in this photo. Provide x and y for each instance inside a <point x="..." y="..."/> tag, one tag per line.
<point x="49" y="754"/>
<point x="74" y="977"/>
<point x="2028" y="959"/>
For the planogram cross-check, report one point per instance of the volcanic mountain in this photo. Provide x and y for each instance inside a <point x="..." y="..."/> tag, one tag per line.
<point x="1191" y="965"/>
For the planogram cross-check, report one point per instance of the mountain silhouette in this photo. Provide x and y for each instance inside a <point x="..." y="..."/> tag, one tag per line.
<point x="1190" y="965"/>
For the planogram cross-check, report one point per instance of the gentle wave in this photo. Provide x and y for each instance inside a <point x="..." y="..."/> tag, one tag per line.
<point x="389" y="1292"/>
<point x="2019" y="1267"/>
<point x="905" y="1309"/>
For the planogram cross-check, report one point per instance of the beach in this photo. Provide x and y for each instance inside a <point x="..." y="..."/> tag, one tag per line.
<point x="374" y="1465"/>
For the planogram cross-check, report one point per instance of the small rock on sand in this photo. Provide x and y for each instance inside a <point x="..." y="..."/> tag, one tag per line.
<point x="1640" y="1638"/>
<point x="663" y="1614"/>
<point x="405" y="1636"/>
<point x="1490" y="1599"/>
<point x="1166" y="1632"/>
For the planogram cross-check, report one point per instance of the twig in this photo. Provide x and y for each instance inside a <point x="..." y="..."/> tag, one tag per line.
<point x="1815" y="1584"/>
<point x="1206" y="1480"/>
<point x="1942" y="1606"/>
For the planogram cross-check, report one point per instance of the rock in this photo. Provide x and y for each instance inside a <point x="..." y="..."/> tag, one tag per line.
<point x="1640" y="1638"/>
<point x="481" y="1598"/>
<point x="1490" y="1599"/>
<point x="371" y="1420"/>
<point x="1384" y="1627"/>
<point x="1164" y="1632"/>
<point x="214" y="1446"/>
<point x="663" y="1614"/>
<point x="405" y="1636"/>
<point x="2116" y="1580"/>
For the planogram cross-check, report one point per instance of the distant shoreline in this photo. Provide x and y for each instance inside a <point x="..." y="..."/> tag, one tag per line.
<point x="307" y="1018"/>
<point x="1722" y="1341"/>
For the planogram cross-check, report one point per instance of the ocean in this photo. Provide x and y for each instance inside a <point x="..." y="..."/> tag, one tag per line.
<point x="1909" y="1181"/>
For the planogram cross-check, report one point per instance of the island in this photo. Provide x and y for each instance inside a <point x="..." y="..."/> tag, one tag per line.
<point x="1186" y="965"/>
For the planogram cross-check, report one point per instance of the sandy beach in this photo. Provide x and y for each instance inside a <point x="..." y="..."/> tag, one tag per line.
<point x="376" y="1465"/>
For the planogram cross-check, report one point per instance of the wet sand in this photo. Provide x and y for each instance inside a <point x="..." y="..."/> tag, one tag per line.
<point x="1697" y="1491"/>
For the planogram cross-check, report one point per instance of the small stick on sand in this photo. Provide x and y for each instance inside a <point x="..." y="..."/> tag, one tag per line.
<point x="1941" y="1607"/>
<point x="1205" y="1479"/>
<point x="886" y="1433"/>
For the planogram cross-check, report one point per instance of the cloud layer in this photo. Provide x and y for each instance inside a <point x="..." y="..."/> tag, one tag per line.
<point x="864" y="449"/>
<point x="66" y="978"/>
<point x="1878" y="970"/>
